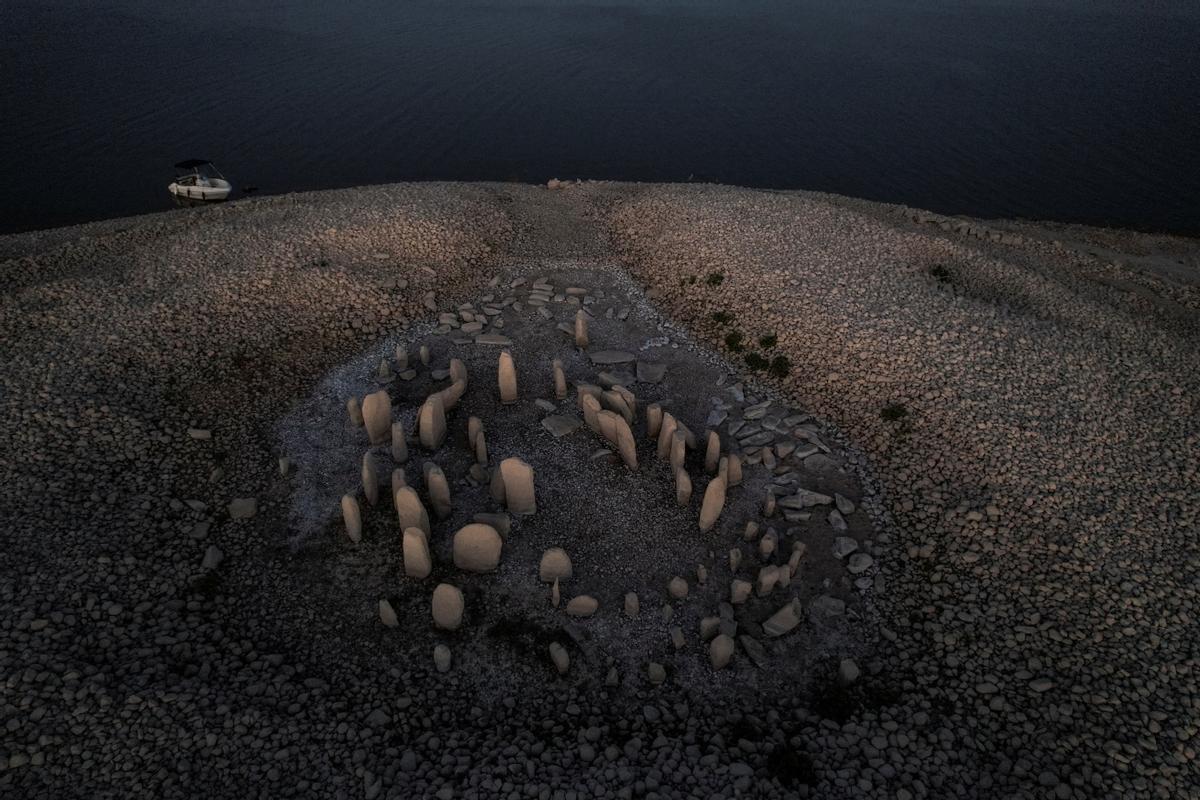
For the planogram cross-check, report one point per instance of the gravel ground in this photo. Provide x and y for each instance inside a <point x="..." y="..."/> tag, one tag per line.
<point x="1016" y="403"/>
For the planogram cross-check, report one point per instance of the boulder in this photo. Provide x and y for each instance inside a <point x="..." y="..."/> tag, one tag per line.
<point x="431" y="422"/>
<point x="783" y="620"/>
<point x="556" y="565"/>
<point x="441" y="658"/>
<point x="417" y="561"/>
<point x="377" y="416"/>
<point x="447" y="607"/>
<point x="507" y="378"/>
<point x="720" y="651"/>
<point x="583" y="605"/>
<point x="352" y="516"/>
<point x="517" y="477"/>
<point x="477" y="548"/>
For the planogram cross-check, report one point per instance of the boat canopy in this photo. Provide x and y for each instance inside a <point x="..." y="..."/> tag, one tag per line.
<point x="192" y="163"/>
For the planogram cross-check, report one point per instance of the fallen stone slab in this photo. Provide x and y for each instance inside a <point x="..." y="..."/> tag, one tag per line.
<point x="611" y="357"/>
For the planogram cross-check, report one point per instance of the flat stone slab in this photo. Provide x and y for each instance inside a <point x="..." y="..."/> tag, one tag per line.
<point x="493" y="338"/>
<point x="560" y="425"/>
<point x="611" y="357"/>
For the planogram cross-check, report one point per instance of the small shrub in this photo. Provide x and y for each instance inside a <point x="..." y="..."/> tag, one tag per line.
<point x="780" y="367"/>
<point x="755" y="361"/>
<point x="768" y="341"/>
<point x="722" y="317"/>
<point x="941" y="273"/>
<point x="715" y="278"/>
<point x="893" y="412"/>
<point x="733" y="340"/>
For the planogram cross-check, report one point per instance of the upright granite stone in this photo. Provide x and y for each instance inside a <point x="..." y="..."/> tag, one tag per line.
<point x="654" y="417"/>
<point x="411" y="511"/>
<point x="519" y="493"/>
<point x="431" y="422"/>
<point x="418" y="563"/>
<point x="370" y="479"/>
<point x="712" y="453"/>
<point x="678" y="450"/>
<point x="439" y="490"/>
<point x="352" y="516"/>
<point x="581" y="329"/>
<point x="666" y="432"/>
<point x="447" y="606"/>
<point x="683" y="487"/>
<point x="399" y="443"/>
<point x="560" y="380"/>
<point x="477" y="548"/>
<point x="556" y="565"/>
<point x="354" y="412"/>
<point x="458" y="372"/>
<point x="507" y="378"/>
<point x="452" y="394"/>
<point x="714" y="502"/>
<point x="377" y="416"/>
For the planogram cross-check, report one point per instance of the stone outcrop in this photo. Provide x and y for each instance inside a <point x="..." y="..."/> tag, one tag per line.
<point x="555" y="565"/>
<point x="377" y="416"/>
<point x="477" y="548"/>
<point x="447" y="606"/>
<point x="431" y="422"/>
<point x="352" y="517"/>
<point x="517" y="479"/>
<point x="410" y="510"/>
<point x="714" y="503"/>
<point x="418" y="563"/>
<point x="507" y="378"/>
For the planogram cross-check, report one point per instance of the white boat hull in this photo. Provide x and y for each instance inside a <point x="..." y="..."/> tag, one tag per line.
<point x="216" y="190"/>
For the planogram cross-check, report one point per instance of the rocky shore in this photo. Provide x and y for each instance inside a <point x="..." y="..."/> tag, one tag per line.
<point x="1015" y="402"/>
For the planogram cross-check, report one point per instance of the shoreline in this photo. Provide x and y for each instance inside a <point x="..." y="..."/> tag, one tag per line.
<point x="1027" y="397"/>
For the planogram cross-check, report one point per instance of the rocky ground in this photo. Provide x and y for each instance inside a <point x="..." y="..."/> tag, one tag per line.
<point x="1016" y="403"/>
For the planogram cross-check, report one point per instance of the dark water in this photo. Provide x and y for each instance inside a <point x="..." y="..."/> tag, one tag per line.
<point x="1073" y="110"/>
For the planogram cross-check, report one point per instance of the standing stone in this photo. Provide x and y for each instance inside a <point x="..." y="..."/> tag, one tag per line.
<point x="285" y="465"/>
<point x="417" y="561"/>
<point x="352" y="516"/>
<point x="712" y="454"/>
<point x="377" y="416"/>
<point x="399" y="481"/>
<point x="370" y="479"/>
<point x="481" y="451"/>
<point x="517" y="477"/>
<point x="735" y="559"/>
<point x="768" y="577"/>
<point x="438" y="488"/>
<point x="556" y="564"/>
<point x="720" y="651"/>
<point x="678" y="588"/>
<point x="769" y="504"/>
<point x="739" y="591"/>
<point x="354" y="411"/>
<point x="623" y="439"/>
<point x="654" y="416"/>
<point x="401" y="357"/>
<point x="558" y="654"/>
<point x="581" y="331"/>
<point x="656" y="673"/>
<point x="683" y="487"/>
<point x="447" y="606"/>
<point x="496" y="487"/>
<point x="507" y="378"/>
<point x="555" y="594"/>
<point x="591" y="412"/>
<point x="387" y="614"/>
<point x="783" y="620"/>
<point x="848" y="673"/>
<point x="632" y="606"/>
<point x="424" y="354"/>
<point x="678" y="449"/>
<point x="441" y="658"/>
<point x="734" y="470"/>
<point x="477" y="548"/>
<point x="560" y="381"/>
<point x="399" y="443"/>
<point x="714" y="502"/>
<point x="411" y="510"/>
<point x="431" y="422"/>
<point x="666" y="432"/>
<point x="458" y="372"/>
<point x="384" y="372"/>
<point x="452" y="394"/>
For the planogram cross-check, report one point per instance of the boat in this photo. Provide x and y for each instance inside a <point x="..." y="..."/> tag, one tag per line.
<point x="199" y="179"/>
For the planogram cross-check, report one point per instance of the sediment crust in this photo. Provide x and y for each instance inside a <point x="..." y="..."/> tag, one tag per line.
<point x="1025" y="394"/>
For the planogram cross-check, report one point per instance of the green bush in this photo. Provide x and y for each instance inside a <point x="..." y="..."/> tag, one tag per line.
<point x="715" y="278"/>
<point x="780" y="367"/>
<point x="768" y="341"/>
<point x="733" y="340"/>
<point x="722" y="317"/>
<point x="893" y="412"/>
